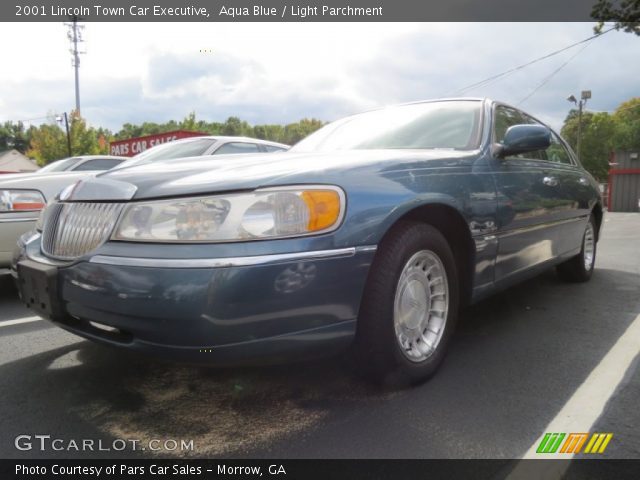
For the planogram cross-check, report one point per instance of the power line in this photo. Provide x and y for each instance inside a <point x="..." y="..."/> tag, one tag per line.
<point x="24" y="120"/>
<point x="549" y="77"/>
<point x="492" y="78"/>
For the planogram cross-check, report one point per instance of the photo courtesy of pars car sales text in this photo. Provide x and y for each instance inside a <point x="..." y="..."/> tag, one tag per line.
<point x="151" y="469"/>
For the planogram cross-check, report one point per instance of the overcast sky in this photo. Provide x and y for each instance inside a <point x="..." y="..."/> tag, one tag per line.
<point x="281" y="72"/>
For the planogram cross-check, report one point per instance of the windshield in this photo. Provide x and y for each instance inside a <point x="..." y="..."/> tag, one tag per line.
<point x="447" y="124"/>
<point x="60" y="165"/>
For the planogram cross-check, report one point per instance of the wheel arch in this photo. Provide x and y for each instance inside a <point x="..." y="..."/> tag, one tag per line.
<point x="450" y="222"/>
<point x="598" y="215"/>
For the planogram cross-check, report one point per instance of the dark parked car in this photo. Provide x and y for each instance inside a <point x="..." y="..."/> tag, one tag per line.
<point x="370" y="233"/>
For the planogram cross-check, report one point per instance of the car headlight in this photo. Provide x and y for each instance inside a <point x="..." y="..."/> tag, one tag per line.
<point x="264" y="214"/>
<point x="21" y="201"/>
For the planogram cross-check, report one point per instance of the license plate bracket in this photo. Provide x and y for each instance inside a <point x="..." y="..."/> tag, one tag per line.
<point x="38" y="285"/>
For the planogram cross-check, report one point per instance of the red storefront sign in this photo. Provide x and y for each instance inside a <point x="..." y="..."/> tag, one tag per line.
<point x="133" y="146"/>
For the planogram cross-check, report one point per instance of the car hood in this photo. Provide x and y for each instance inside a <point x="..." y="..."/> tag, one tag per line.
<point x="49" y="184"/>
<point x="202" y="175"/>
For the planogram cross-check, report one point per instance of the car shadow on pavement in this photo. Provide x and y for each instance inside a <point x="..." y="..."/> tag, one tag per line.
<point x="91" y="391"/>
<point x="507" y="351"/>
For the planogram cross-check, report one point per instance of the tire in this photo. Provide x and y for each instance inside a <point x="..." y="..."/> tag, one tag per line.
<point x="580" y="267"/>
<point x="397" y="304"/>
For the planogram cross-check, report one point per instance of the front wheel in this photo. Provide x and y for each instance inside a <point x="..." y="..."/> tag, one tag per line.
<point x="409" y="308"/>
<point x="580" y="267"/>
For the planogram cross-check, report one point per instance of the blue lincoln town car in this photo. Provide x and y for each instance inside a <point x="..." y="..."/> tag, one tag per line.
<point x="371" y="233"/>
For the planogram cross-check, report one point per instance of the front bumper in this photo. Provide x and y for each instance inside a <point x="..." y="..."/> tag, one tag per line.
<point x="222" y="311"/>
<point x="10" y="231"/>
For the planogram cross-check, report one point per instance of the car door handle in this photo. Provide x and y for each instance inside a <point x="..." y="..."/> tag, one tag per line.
<point x="550" y="181"/>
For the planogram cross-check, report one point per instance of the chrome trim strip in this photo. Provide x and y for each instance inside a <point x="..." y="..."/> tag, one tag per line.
<point x="32" y="251"/>
<point x="539" y="226"/>
<point x="36" y="255"/>
<point x="230" y="261"/>
<point x="18" y="220"/>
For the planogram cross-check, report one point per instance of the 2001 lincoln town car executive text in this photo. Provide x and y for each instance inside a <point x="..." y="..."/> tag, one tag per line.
<point x="370" y="233"/>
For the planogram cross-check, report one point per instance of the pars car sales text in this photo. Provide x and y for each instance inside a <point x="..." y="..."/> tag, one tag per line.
<point x="97" y="470"/>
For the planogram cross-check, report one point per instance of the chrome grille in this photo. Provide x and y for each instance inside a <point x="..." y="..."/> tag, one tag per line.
<point x="71" y="230"/>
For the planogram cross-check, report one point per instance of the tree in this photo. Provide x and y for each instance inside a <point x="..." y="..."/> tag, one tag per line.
<point x="236" y="127"/>
<point x="625" y="14"/>
<point x="294" y="132"/>
<point x="84" y="140"/>
<point x="596" y="140"/>
<point x="627" y="125"/>
<point x="233" y="126"/>
<point x="603" y="133"/>
<point x="48" y="143"/>
<point x="13" y="136"/>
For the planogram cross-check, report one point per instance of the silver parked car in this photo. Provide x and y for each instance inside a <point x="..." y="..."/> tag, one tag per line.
<point x="206" y="145"/>
<point x="23" y="195"/>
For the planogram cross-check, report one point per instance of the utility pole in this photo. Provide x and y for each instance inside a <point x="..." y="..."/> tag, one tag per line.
<point x="74" y="34"/>
<point x="66" y="126"/>
<point x="584" y="96"/>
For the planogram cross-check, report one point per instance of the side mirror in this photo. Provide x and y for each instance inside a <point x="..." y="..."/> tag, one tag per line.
<point x="523" y="139"/>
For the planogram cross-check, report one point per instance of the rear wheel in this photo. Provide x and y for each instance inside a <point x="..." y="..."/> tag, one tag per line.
<point x="580" y="267"/>
<point x="409" y="308"/>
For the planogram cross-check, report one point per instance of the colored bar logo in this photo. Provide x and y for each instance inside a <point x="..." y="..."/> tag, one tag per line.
<point x="573" y="443"/>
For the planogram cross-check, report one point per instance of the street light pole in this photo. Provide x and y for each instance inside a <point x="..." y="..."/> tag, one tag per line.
<point x="584" y="96"/>
<point x="579" y="130"/>
<point x="66" y="126"/>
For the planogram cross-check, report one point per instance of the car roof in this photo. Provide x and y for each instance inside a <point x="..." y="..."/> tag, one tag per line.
<point x="92" y="157"/>
<point x="417" y="102"/>
<point x="227" y="138"/>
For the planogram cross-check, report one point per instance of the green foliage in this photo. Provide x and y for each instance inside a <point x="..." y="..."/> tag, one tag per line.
<point x="232" y="126"/>
<point x="84" y="140"/>
<point x="624" y="13"/>
<point x="13" y="136"/>
<point x="596" y="141"/>
<point x="603" y="133"/>
<point x="627" y="118"/>
<point x="48" y="142"/>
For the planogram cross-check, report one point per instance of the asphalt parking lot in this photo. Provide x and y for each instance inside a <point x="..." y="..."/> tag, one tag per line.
<point x="516" y="363"/>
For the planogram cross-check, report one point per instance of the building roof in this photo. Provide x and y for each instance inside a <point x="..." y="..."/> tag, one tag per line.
<point x="12" y="161"/>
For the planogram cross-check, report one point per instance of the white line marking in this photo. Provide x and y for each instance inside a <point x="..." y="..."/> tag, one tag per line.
<point x="8" y="323"/>
<point x="587" y="403"/>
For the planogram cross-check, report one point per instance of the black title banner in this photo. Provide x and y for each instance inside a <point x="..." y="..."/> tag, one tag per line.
<point x="320" y="469"/>
<point x="297" y="11"/>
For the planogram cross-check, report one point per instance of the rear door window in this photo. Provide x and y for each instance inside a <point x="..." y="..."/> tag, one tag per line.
<point x="233" y="148"/>
<point x="98" y="164"/>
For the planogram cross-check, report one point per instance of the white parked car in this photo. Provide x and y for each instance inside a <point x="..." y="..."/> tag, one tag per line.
<point x="23" y="195"/>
